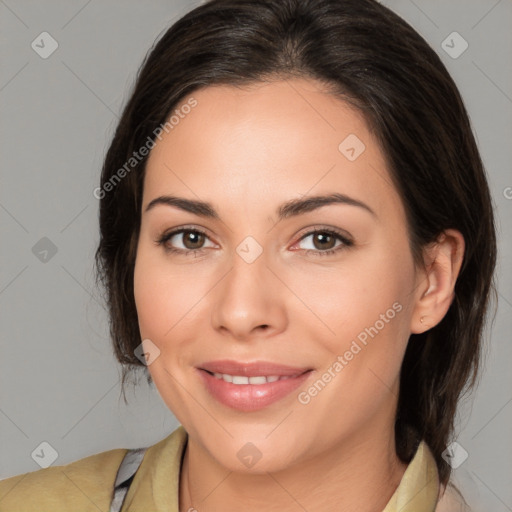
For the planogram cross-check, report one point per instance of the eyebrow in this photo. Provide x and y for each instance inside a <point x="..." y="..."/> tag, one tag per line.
<point x="288" y="209"/>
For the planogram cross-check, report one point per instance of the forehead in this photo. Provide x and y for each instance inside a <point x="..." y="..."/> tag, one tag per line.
<point x="268" y="141"/>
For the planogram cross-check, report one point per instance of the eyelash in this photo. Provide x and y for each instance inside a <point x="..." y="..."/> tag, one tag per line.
<point x="346" y="242"/>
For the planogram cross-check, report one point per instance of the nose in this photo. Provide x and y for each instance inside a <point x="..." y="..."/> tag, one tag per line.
<point x="250" y="301"/>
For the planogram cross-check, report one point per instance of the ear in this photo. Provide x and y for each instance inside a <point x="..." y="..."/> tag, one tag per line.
<point x="435" y="282"/>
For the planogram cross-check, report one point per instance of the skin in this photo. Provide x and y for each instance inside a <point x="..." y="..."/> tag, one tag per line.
<point x="246" y="151"/>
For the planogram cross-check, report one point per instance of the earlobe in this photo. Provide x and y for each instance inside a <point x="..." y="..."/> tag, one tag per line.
<point x="443" y="260"/>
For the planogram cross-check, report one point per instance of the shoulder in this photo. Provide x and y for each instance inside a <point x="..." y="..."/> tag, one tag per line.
<point x="84" y="485"/>
<point x="451" y="500"/>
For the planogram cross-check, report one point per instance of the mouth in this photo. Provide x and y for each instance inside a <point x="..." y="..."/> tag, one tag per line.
<point x="250" y="387"/>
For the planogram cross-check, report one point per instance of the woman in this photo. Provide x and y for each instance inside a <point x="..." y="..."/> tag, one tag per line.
<point x="304" y="377"/>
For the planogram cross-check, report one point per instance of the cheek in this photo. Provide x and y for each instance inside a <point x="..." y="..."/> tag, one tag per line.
<point x="367" y="310"/>
<point x="167" y="296"/>
<point x="161" y="313"/>
<point x="365" y="290"/>
<point x="156" y="304"/>
<point x="368" y="313"/>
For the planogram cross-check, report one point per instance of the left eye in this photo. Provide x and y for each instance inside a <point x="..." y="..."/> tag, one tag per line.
<point x="325" y="241"/>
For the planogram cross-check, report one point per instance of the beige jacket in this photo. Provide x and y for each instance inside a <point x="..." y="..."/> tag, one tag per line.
<point x="87" y="484"/>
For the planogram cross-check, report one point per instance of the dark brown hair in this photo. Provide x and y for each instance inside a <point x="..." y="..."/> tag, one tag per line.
<point x="366" y="55"/>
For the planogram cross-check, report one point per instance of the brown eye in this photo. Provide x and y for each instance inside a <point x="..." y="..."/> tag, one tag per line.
<point x="185" y="241"/>
<point x="325" y="241"/>
<point x="193" y="239"/>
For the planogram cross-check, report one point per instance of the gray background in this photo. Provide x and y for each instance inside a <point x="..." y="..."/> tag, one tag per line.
<point x="59" y="381"/>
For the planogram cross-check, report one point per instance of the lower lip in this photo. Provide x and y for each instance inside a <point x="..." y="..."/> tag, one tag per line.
<point x="250" y="397"/>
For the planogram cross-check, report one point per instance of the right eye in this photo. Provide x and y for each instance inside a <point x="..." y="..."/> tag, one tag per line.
<point x="192" y="241"/>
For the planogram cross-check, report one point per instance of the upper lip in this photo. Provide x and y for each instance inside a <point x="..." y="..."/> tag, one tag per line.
<point x="254" y="369"/>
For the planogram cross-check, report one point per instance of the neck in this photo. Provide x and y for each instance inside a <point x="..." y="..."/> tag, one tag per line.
<point x="360" y="473"/>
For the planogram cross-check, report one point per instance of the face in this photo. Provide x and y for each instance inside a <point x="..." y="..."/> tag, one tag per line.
<point x="264" y="282"/>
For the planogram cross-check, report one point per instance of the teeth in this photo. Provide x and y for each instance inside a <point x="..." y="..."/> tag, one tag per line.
<point x="257" y="380"/>
<point x="239" y="379"/>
